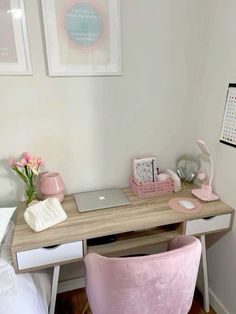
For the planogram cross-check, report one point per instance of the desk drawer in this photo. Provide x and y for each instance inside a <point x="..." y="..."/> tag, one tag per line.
<point x="46" y="256"/>
<point x="201" y="226"/>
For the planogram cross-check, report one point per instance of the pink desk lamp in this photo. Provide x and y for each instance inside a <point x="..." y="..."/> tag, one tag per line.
<point x="205" y="192"/>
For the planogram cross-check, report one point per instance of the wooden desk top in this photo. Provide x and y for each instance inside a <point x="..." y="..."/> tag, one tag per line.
<point x="142" y="214"/>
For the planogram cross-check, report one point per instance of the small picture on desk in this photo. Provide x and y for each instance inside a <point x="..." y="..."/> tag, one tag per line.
<point x="145" y="169"/>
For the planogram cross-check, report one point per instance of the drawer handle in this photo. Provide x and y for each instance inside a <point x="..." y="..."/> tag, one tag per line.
<point x="208" y="218"/>
<point x="51" y="247"/>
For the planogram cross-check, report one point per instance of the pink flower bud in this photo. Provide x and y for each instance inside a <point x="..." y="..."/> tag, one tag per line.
<point x="33" y="162"/>
<point x="12" y="162"/>
<point x="23" y="162"/>
<point x="33" y="169"/>
<point x="40" y="161"/>
<point x="19" y="164"/>
<point x="26" y="156"/>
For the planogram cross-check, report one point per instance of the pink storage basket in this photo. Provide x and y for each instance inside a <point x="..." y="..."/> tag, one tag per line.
<point x="150" y="188"/>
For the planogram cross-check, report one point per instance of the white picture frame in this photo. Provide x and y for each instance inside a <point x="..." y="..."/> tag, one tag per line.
<point x="83" y="37"/>
<point x="14" y="44"/>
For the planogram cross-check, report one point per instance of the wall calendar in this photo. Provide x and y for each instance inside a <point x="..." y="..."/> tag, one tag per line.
<point x="228" y="132"/>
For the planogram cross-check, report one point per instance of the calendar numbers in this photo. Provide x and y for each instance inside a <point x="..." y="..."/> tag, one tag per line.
<point x="228" y="132"/>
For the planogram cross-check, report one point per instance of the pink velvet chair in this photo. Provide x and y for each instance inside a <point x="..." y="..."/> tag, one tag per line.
<point x="162" y="283"/>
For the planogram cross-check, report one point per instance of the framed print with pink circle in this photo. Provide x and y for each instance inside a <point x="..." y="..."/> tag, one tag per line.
<point x="14" y="45"/>
<point x="83" y="37"/>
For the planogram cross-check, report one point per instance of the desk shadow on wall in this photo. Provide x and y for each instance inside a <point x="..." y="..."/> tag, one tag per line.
<point x="12" y="189"/>
<point x="214" y="238"/>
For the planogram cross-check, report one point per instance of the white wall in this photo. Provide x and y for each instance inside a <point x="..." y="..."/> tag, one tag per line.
<point x="218" y="67"/>
<point x="178" y="58"/>
<point x="89" y="128"/>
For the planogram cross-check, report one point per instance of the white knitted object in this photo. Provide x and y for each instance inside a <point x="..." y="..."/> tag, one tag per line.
<point x="45" y="214"/>
<point x="177" y="181"/>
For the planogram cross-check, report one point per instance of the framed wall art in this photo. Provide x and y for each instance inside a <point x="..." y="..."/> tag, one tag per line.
<point x="82" y="37"/>
<point x="228" y="130"/>
<point x="14" y="45"/>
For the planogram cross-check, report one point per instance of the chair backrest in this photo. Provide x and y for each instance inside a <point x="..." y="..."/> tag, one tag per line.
<point x="161" y="283"/>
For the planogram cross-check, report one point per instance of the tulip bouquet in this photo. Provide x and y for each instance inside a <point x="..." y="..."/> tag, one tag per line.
<point x="27" y="169"/>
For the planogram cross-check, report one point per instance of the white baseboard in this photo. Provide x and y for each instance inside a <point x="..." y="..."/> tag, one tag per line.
<point x="214" y="301"/>
<point x="216" y="304"/>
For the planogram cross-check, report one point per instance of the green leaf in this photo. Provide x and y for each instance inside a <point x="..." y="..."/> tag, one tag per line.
<point x="22" y="176"/>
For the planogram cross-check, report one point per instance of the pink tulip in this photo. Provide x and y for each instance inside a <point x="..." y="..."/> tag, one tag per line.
<point x="34" y="169"/>
<point x="40" y="161"/>
<point x="19" y="164"/>
<point x="12" y="162"/>
<point x="33" y="162"/>
<point x="23" y="162"/>
<point x="27" y="157"/>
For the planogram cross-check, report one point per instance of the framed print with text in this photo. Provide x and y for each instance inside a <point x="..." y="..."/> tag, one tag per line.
<point x="82" y="37"/>
<point x="14" y="45"/>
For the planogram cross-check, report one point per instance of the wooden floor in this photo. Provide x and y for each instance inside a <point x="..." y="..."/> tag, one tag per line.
<point x="75" y="302"/>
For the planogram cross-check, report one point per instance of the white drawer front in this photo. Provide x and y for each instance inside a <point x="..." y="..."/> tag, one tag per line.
<point x="44" y="256"/>
<point x="207" y="225"/>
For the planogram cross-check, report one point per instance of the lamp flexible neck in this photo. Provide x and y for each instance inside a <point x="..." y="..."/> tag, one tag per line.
<point x="212" y="171"/>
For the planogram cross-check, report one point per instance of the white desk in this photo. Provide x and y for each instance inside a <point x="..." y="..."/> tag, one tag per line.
<point x="152" y="215"/>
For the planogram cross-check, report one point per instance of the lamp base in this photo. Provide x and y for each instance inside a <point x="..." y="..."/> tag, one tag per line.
<point x="205" y="193"/>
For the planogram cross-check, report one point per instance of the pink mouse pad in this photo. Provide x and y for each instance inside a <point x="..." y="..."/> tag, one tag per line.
<point x="174" y="204"/>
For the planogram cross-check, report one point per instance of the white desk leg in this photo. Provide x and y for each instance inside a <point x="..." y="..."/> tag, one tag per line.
<point x="205" y="276"/>
<point x="55" y="277"/>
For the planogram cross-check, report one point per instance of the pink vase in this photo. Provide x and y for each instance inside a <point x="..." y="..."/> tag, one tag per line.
<point x="50" y="184"/>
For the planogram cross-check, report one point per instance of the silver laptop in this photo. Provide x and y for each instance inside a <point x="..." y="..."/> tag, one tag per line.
<point x="87" y="201"/>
